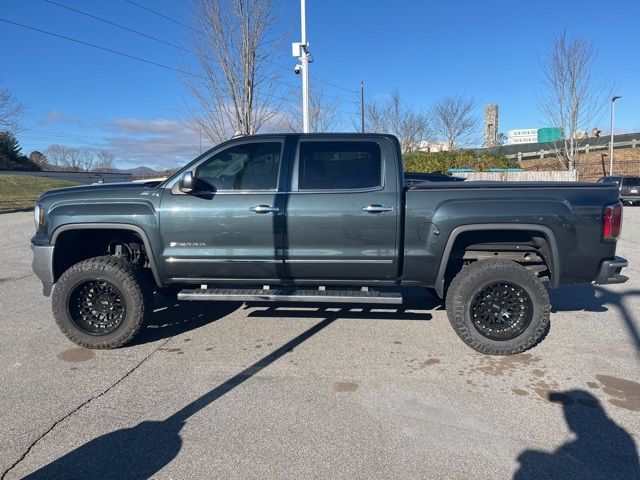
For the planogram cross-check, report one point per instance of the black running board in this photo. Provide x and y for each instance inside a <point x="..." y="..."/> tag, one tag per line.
<point x="290" y="295"/>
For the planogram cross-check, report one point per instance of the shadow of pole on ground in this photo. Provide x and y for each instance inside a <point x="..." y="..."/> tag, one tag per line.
<point x="143" y="450"/>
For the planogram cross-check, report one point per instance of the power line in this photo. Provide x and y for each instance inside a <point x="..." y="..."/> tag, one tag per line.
<point x="171" y="19"/>
<point x="174" y="45"/>
<point x="133" y="57"/>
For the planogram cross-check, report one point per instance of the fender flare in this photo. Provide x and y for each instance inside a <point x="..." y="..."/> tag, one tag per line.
<point x="115" y="226"/>
<point x="554" y="281"/>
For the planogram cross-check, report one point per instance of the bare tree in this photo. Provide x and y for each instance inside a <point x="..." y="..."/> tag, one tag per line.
<point x="105" y="162"/>
<point x="39" y="159"/>
<point x="10" y="112"/>
<point x="57" y="155"/>
<point x="573" y="97"/>
<point x="323" y="115"/>
<point x="87" y="159"/>
<point x="453" y="122"/>
<point x="393" y="116"/>
<point x="235" y="91"/>
<point x="74" y="159"/>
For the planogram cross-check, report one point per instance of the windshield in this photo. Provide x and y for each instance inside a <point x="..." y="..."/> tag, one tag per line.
<point x="631" y="181"/>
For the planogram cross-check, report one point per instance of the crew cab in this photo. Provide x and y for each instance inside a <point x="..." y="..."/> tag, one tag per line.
<point x="322" y="218"/>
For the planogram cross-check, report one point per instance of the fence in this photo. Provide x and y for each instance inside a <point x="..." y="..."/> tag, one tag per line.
<point x="530" y="176"/>
<point x="77" y="177"/>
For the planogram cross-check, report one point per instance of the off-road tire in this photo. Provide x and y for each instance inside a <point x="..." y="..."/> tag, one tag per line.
<point x="128" y="278"/>
<point x="471" y="280"/>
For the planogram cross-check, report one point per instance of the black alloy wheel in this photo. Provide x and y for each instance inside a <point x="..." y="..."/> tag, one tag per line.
<point x="97" y="307"/>
<point x="501" y="311"/>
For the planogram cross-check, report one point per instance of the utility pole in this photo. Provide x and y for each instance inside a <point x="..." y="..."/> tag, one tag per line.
<point x="361" y="106"/>
<point x="301" y="50"/>
<point x="613" y="113"/>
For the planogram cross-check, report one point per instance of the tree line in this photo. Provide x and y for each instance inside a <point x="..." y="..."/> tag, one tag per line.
<point x="55" y="157"/>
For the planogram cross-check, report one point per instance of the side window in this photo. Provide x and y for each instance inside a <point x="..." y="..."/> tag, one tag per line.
<point x="253" y="166"/>
<point x="339" y="165"/>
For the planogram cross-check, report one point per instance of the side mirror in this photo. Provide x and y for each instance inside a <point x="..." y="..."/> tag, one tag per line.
<point x="186" y="182"/>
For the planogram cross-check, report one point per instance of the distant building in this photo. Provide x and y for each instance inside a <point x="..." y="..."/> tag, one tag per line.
<point x="491" y="126"/>
<point x="425" y="146"/>
<point x="522" y="135"/>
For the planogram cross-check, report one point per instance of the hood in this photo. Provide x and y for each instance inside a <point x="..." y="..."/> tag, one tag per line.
<point x="95" y="191"/>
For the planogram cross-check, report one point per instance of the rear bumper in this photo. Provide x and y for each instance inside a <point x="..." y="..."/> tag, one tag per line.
<point x="609" y="271"/>
<point x="42" y="266"/>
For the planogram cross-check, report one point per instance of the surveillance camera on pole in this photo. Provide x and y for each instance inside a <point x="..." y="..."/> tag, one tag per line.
<point x="300" y="50"/>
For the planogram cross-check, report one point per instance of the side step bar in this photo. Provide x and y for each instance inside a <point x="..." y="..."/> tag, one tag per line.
<point x="290" y="295"/>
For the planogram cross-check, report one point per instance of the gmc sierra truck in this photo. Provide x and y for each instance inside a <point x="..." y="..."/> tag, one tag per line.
<point x="322" y="218"/>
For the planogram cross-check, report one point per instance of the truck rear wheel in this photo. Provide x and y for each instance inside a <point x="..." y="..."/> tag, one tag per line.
<point x="498" y="307"/>
<point x="101" y="302"/>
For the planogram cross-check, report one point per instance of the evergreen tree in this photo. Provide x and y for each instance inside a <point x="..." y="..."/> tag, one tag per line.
<point x="11" y="157"/>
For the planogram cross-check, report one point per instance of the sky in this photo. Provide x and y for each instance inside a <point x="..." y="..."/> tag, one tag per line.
<point x="81" y="96"/>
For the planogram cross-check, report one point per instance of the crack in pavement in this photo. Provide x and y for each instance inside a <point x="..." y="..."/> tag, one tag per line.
<point x="83" y="404"/>
<point x="8" y="280"/>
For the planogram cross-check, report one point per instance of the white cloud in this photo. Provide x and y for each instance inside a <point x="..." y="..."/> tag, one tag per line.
<point x="157" y="143"/>
<point x="54" y="116"/>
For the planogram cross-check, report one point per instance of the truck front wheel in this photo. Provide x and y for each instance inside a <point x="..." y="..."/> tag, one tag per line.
<point x="101" y="302"/>
<point x="498" y="307"/>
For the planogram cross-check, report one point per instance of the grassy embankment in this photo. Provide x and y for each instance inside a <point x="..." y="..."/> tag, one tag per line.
<point x="18" y="192"/>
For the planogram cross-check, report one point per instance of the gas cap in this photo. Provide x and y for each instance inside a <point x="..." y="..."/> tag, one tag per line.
<point x="428" y="232"/>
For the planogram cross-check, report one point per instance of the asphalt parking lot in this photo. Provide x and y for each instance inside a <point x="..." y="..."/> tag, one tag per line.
<point x="231" y="391"/>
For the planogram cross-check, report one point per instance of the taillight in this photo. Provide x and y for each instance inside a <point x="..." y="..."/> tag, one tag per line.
<point x="612" y="222"/>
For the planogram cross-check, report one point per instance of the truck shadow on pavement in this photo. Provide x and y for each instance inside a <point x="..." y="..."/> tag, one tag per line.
<point x="593" y="298"/>
<point x="601" y="448"/>
<point x="173" y="317"/>
<point x="143" y="450"/>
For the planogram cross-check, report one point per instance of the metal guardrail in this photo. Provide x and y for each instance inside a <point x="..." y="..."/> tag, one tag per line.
<point x="587" y="148"/>
<point x="84" y="178"/>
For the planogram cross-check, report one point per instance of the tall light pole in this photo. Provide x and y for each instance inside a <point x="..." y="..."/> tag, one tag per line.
<point x="613" y="113"/>
<point x="362" y="106"/>
<point x="301" y="50"/>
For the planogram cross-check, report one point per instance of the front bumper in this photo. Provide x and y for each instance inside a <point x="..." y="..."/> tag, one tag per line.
<point x="609" y="271"/>
<point x="42" y="266"/>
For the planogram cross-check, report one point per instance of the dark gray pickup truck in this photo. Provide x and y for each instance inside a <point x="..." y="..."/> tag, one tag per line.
<point x="322" y="218"/>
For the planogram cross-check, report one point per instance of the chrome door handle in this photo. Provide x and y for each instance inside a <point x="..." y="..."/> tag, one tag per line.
<point x="377" y="208"/>
<point x="264" y="209"/>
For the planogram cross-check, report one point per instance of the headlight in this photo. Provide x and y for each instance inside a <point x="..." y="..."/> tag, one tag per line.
<point x="38" y="215"/>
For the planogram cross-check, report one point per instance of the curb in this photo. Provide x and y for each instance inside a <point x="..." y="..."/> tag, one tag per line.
<point x="16" y="210"/>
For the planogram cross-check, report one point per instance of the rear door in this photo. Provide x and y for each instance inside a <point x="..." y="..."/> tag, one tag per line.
<point x="343" y="210"/>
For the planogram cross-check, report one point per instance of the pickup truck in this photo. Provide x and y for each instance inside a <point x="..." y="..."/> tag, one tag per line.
<point x="322" y="218"/>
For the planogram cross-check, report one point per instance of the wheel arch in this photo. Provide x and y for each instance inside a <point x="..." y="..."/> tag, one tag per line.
<point x="125" y="227"/>
<point x="548" y="234"/>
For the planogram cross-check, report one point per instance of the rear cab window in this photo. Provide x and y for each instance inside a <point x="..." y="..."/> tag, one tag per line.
<point x="338" y="165"/>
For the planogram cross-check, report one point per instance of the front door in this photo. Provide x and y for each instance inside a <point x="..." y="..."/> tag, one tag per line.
<point x="229" y="226"/>
<point x="343" y="211"/>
